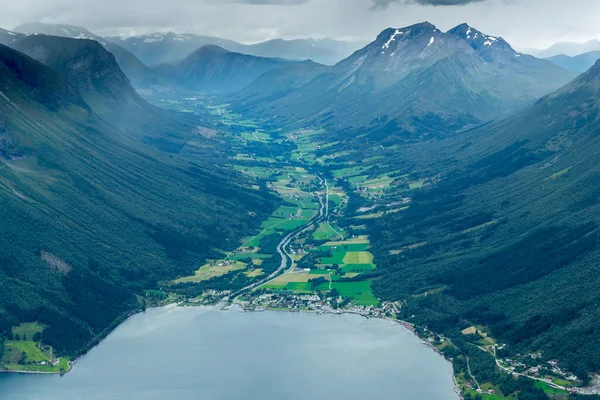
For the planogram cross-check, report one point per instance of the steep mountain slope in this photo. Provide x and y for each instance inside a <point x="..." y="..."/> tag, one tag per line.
<point x="509" y="234"/>
<point x="139" y="74"/>
<point x="85" y="64"/>
<point x="580" y="63"/>
<point x="94" y="72"/>
<point x="7" y="37"/>
<point x="89" y="216"/>
<point x="214" y="69"/>
<point x="417" y="81"/>
<point x="279" y="82"/>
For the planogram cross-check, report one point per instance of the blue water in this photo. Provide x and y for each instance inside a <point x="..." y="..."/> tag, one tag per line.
<point x="205" y="354"/>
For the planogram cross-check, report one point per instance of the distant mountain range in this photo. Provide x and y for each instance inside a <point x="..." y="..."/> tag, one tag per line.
<point x="170" y="47"/>
<point x="410" y="82"/>
<point x="567" y="48"/>
<point x="580" y="63"/>
<point x="70" y="31"/>
<point x="209" y="68"/>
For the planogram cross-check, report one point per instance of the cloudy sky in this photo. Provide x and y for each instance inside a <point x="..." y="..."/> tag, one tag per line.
<point x="524" y="23"/>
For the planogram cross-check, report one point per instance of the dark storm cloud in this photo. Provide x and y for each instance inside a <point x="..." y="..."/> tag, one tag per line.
<point x="524" y="23"/>
<point x="385" y="3"/>
<point x="276" y="2"/>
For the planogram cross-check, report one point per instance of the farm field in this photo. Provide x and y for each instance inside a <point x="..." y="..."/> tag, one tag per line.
<point x="212" y="270"/>
<point x="24" y="354"/>
<point x="358" y="257"/>
<point x="325" y="232"/>
<point x="360" y="292"/>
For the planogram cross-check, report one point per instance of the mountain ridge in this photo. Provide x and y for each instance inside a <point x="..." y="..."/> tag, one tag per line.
<point x="399" y="58"/>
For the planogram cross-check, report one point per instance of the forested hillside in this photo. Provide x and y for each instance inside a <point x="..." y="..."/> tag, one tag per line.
<point x="507" y="238"/>
<point x="92" y="217"/>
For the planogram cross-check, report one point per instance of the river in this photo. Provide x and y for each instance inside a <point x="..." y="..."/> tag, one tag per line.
<point x="199" y="353"/>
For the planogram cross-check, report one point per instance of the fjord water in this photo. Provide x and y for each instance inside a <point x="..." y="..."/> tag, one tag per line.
<point x="203" y="353"/>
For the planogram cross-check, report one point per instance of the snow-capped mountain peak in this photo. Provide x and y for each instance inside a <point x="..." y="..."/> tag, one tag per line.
<point x="477" y="39"/>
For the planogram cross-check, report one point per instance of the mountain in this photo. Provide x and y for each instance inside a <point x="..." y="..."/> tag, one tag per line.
<point x="279" y="82"/>
<point x="580" y="63"/>
<point x="157" y="48"/>
<point x="298" y="49"/>
<point x="70" y="31"/>
<point x="85" y="64"/>
<point x="509" y="233"/>
<point x="7" y="37"/>
<point x="91" y="217"/>
<point x="94" y="72"/>
<point x="170" y="47"/>
<point x="90" y="66"/>
<point x="568" y="48"/>
<point x="416" y="81"/>
<point x="214" y="69"/>
<point x="140" y="75"/>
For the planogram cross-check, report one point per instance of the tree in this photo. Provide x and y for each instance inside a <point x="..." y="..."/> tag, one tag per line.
<point x="37" y="337"/>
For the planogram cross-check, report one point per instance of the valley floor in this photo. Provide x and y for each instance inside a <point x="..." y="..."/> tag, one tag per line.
<point x="324" y="248"/>
<point x="314" y="253"/>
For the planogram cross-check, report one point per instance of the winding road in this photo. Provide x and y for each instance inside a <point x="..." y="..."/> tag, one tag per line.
<point x="282" y="246"/>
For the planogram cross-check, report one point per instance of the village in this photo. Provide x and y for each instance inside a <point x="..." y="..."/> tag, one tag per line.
<point x="315" y="303"/>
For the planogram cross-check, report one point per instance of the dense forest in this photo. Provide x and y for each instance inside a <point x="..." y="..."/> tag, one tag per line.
<point x="92" y="217"/>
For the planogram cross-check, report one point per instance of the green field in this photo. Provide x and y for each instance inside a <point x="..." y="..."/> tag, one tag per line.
<point x="358" y="291"/>
<point x="351" y="171"/>
<point x="549" y="389"/>
<point x="355" y="247"/>
<point x="303" y="287"/>
<point x="336" y="199"/>
<point x="337" y="258"/>
<point x="325" y="232"/>
<point x="26" y="356"/>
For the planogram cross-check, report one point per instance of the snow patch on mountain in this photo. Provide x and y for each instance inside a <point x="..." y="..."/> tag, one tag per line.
<point x="392" y="38"/>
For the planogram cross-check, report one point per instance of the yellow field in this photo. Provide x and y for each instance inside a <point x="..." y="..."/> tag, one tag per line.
<point x="207" y="272"/>
<point x="287" y="278"/>
<point x="358" y="240"/>
<point x="358" y="257"/>
<point x="254" y="273"/>
<point x="469" y="331"/>
<point x="371" y="216"/>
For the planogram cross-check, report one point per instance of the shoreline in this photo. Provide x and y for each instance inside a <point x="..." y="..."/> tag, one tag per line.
<point x="238" y="307"/>
<point x="14" y="371"/>
<point x="403" y="324"/>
